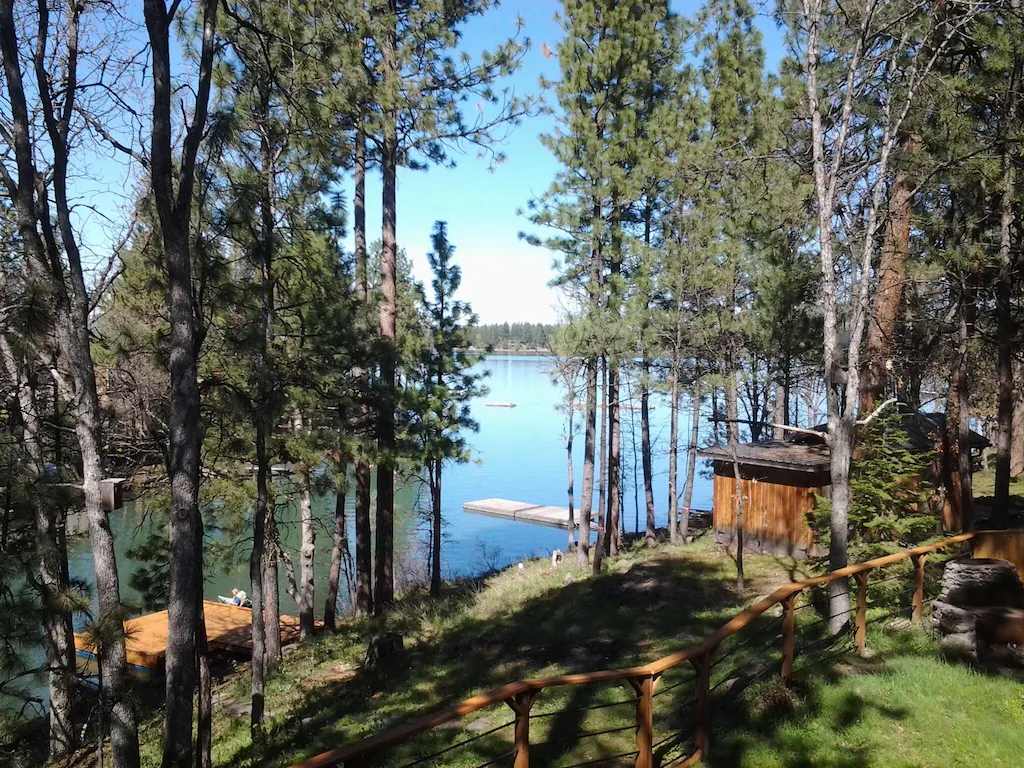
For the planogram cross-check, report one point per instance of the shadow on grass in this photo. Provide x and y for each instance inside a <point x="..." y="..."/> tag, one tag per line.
<point x="616" y="620"/>
<point x="802" y="725"/>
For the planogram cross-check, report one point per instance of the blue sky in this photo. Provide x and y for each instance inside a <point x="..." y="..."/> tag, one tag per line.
<point x="503" y="278"/>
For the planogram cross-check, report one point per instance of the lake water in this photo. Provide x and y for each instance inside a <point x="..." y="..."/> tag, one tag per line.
<point x="518" y="453"/>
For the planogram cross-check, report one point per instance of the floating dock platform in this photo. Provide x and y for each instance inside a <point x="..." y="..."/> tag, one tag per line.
<point x="539" y="514"/>
<point x="228" y="628"/>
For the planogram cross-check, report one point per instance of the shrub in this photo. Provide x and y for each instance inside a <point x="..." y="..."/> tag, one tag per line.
<point x="888" y="504"/>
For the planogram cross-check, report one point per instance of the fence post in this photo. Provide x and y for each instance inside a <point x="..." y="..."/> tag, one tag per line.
<point x="702" y="737"/>
<point x="644" y="687"/>
<point x="788" y="636"/>
<point x="861" y="621"/>
<point x="521" y="704"/>
<point x="918" y="587"/>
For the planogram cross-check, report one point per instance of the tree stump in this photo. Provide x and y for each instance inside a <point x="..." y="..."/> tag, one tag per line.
<point x="982" y="583"/>
<point x="979" y="608"/>
<point x="382" y="650"/>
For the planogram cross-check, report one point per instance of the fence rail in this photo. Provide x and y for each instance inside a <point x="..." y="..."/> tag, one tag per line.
<point x="520" y="696"/>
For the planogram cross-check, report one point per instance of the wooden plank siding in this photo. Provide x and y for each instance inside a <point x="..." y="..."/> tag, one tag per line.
<point x="776" y="505"/>
<point x="1001" y="545"/>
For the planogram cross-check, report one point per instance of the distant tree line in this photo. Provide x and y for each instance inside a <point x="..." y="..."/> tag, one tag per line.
<point x="513" y="336"/>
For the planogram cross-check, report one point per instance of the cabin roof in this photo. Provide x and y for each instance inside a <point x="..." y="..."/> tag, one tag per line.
<point x="803" y="452"/>
<point x="923" y="432"/>
<point x="775" y="453"/>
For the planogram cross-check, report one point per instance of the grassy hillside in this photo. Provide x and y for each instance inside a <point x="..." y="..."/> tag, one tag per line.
<point x="542" y="621"/>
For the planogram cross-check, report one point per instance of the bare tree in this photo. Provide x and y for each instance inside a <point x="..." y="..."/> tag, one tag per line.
<point x="878" y="47"/>
<point x="54" y="263"/>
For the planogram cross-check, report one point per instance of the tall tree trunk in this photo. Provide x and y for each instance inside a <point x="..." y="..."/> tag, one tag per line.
<point x="613" y="532"/>
<point x="691" y="462"/>
<point x="716" y="416"/>
<point x="71" y="304"/>
<point x="186" y="557"/>
<point x="363" y="604"/>
<point x="732" y="408"/>
<point x="601" y="545"/>
<point x="272" y="591"/>
<point x="1005" y="330"/>
<point x="435" y="529"/>
<point x="892" y="274"/>
<point x="840" y="457"/>
<point x="650" y="536"/>
<point x="739" y="508"/>
<point x="204" y="707"/>
<point x="58" y="640"/>
<point x="257" y="666"/>
<point x="948" y="454"/>
<point x="673" y="454"/>
<point x="1017" y="443"/>
<point x="174" y="209"/>
<point x="964" y="421"/>
<point x="307" y="556"/>
<point x="602" y="464"/>
<point x="587" y="489"/>
<point x="384" y="590"/>
<point x="267" y="389"/>
<point x="307" y="585"/>
<point x="307" y="542"/>
<point x="339" y="551"/>
<point x="570" y="483"/>
<point x="779" y="415"/>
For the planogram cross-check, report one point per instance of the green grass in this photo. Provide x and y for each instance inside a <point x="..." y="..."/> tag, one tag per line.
<point x="984" y="483"/>
<point x="910" y="709"/>
<point x="541" y="621"/>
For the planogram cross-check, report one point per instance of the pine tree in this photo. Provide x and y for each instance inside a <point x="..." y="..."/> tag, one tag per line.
<point x="414" y="116"/>
<point x="446" y="384"/>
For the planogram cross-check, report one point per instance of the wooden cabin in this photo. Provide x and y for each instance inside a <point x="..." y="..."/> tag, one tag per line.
<point x="779" y="480"/>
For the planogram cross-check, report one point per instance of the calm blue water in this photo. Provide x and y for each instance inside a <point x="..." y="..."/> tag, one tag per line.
<point x="518" y="453"/>
<point x="521" y="456"/>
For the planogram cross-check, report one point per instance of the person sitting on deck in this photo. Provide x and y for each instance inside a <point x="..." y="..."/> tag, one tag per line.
<point x="239" y="598"/>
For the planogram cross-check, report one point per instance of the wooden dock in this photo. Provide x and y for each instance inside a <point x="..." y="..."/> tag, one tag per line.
<point x="539" y="514"/>
<point x="228" y="628"/>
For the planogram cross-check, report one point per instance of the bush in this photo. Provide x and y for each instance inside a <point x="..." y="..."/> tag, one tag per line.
<point x="888" y="505"/>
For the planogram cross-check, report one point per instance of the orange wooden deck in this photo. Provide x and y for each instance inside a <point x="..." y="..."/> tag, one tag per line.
<point x="228" y="628"/>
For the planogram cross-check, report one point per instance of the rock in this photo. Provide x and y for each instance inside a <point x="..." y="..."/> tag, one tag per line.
<point x="978" y="616"/>
<point x="982" y="583"/>
<point x="951" y="619"/>
<point x="960" y="644"/>
<point x="382" y="650"/>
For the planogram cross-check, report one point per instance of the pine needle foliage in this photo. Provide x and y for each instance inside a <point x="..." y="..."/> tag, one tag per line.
<point x="889" y="499"/>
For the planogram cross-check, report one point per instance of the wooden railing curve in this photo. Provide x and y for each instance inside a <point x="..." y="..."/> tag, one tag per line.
<point x="520" y="695"/>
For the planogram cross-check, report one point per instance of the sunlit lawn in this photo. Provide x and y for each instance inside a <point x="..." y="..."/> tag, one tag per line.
<point x="903" y="707"/>
<point x="984" y="483"/>
<point x="913" y="710"/>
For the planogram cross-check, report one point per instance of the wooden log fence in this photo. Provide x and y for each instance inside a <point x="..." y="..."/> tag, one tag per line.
<point x="521" y="695"/>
